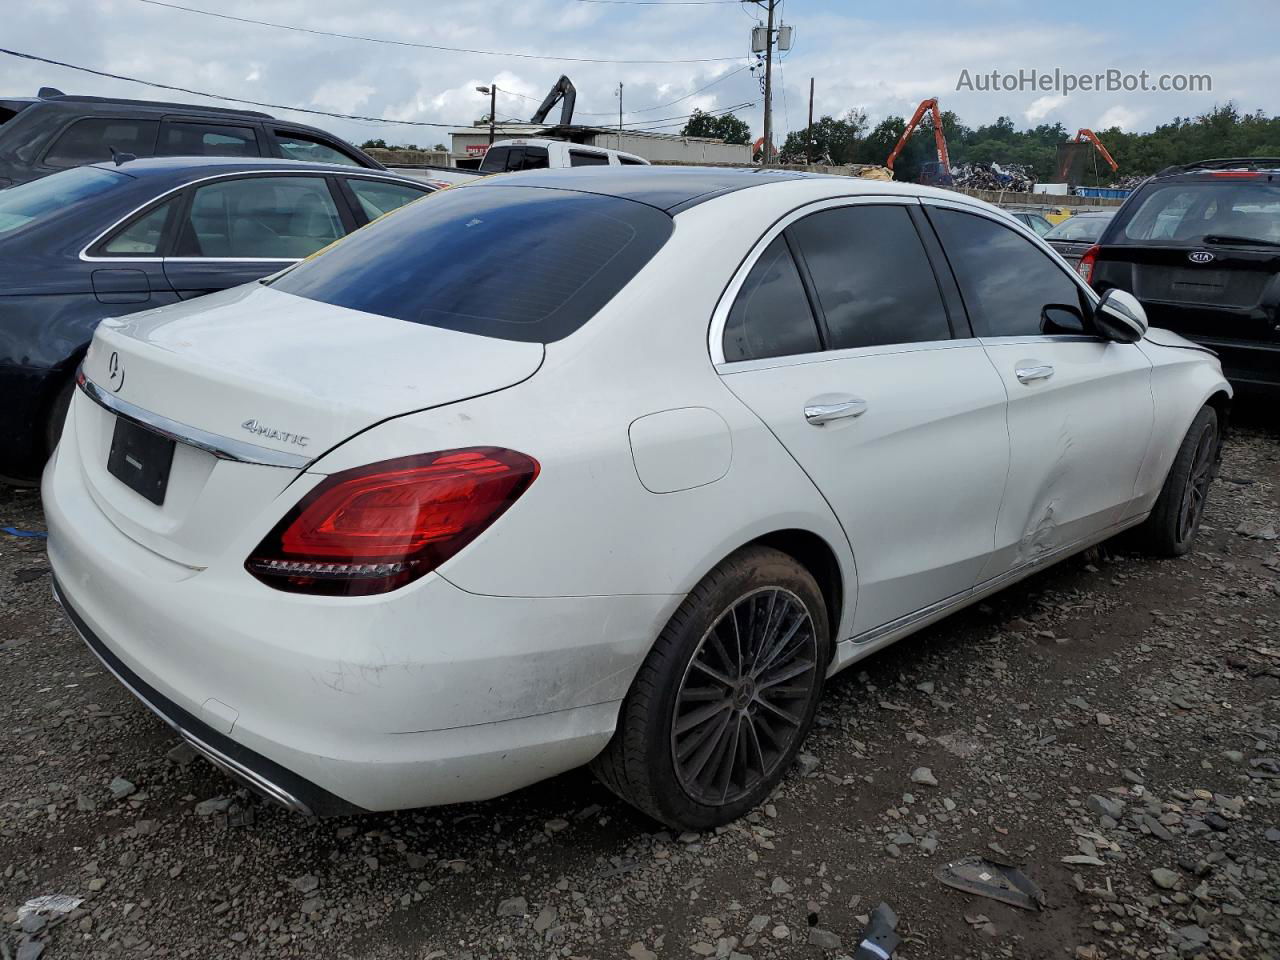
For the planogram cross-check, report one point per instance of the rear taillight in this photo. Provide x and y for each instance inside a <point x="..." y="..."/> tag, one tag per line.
<point x="376" y="528"/>
<point x="1085" y="266"/>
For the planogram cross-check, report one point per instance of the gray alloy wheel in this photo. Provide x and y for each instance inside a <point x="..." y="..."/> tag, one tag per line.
<point x="1196" y="493"/>
<point x="1171" y="528"/>
<point x="741" y="703"/>
<point x="720" y="706"/>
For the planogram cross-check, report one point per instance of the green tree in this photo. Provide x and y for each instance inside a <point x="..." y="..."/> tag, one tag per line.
<point x="829" y="137"/>
<point x="380" y="143"/>
<point x="728" y="127"/>
<point x="1221" y="132"/>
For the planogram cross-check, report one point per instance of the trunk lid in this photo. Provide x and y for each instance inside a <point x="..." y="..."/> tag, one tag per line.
<point x="1071" y="250"/>
<point x="275" y="380"/>
<point x="1232" y="296"/>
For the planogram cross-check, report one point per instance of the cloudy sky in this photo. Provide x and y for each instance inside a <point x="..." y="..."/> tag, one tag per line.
<point x="881" y="56"/>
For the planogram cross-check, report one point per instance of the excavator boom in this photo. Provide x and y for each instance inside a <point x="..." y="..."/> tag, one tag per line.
<point x="564" y="93"/>
<point x="939" y="138"/>
<point x="1084" y="134"/>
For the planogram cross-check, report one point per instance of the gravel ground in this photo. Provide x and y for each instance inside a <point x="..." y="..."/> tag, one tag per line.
<point x="1112" y="725"/>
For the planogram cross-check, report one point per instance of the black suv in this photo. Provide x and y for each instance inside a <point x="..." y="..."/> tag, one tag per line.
<point x="51" y="131"/>
<point x="1199" y="245"/>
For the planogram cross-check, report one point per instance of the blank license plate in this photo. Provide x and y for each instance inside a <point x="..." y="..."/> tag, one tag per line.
<point x="140" y="459"/>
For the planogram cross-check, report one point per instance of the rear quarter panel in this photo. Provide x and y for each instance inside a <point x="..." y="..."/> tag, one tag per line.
<point x="588" y="525"/>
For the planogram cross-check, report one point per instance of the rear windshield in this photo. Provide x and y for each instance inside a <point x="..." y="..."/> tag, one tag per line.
<point x="511" y="159"/>
<point x="520" y="263"/>
<point x="1184" y="213"/>
<point x="27" y="202"/>
<point x="1081" y="229"/>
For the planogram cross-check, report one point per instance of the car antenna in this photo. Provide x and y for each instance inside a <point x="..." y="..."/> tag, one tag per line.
<point x="120" y="158"/>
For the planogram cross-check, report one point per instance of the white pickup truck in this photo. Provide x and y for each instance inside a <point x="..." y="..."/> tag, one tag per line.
<point x="508" y="155"/>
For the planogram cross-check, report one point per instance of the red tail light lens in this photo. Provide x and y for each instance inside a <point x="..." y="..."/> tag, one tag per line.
<point x="1085" y="266"/>
<point x="376" y="528"/>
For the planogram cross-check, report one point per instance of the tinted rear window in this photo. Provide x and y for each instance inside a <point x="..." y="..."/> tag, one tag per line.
<point x="28" y="202"/>
<point x="513" y="159"/>
<point x="520" y="263"/>
<point x="91" y="140"/>
<point x="1079" y="229"/>
<point x="1184" y="212"/>
<point x="583" y="158"/>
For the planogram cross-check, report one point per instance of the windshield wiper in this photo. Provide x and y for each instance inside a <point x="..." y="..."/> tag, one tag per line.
<point x="1249" y="241"/>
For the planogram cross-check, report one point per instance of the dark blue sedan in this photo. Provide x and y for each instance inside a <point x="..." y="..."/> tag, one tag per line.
<point x="109" y="239"/>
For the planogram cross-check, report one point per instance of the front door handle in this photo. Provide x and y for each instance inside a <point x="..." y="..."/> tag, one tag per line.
<point x="833" y="406"/>
<point x="1033" y="372"/>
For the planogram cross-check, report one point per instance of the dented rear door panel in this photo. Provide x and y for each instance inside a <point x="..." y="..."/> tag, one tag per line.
<point x="1077" y="440"/>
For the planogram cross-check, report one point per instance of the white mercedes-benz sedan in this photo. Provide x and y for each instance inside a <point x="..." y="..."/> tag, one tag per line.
<point x="608" y="466"/>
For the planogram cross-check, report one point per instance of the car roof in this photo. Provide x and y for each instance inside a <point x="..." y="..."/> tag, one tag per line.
<point x="674" y="189"/>
<point x="1207" y="169"/>
<point x="89" y="105"/>
<point x="669" y="188"/>
<point x="181" y="167"/>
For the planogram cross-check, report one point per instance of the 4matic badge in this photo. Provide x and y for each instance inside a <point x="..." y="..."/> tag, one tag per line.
<point x="271" y="433"/>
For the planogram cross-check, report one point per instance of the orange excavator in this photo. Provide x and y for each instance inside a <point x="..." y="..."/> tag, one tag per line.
<point x="1084" y="135"/>
<point x="933" y="173"/>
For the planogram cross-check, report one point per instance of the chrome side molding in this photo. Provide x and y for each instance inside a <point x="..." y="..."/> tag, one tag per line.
<point x="224" y="448"/>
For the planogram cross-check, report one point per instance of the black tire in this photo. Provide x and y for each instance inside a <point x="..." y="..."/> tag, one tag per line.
<point x="653" y="759"/>
<point x="57" y="417"/>
<point x="1171" y="528"/>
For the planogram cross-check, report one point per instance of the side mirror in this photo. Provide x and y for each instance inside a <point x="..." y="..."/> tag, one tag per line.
<point x="1061" y="318"/>
<point x="1119" y="317"/>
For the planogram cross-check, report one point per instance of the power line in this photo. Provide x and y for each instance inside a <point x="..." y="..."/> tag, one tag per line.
<point x="671" y="103"/>
<point x="663" y="3"/>
<point x="217" y="96"/>
<point x="420" y="46"/>
<point x="713" y="113"/>
<point x="658" y="106"/>
<point x="664" y="126"/>
<point x="283" y="106"/>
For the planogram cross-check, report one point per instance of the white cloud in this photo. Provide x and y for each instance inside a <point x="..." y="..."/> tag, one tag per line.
<point x="1118" y="116"/>
<point x="342" y="97"/>
<point x="1041" y="107"/>
<point x="893" y="68"/>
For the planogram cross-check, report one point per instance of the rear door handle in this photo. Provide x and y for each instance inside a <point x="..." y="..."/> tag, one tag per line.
<point x="833" y="406"/>
<point x="1033" y="372"/>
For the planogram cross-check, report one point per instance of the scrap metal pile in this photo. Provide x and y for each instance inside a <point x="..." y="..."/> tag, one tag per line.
<point x="1126" y="183"/>
<point x="994" y="176"/>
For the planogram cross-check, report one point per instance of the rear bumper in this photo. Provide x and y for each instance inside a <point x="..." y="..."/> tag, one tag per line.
<point x="255" y="771"/>
<point x="427" y="695"/>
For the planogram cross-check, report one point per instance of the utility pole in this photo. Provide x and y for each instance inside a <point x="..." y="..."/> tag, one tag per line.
<point x="619" y="114"/>
<point x="768" y="87"/>
<point x="808" y="130"/>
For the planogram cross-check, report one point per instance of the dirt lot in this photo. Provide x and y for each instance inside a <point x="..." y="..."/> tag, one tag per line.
<point x="1117" y="710"/>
